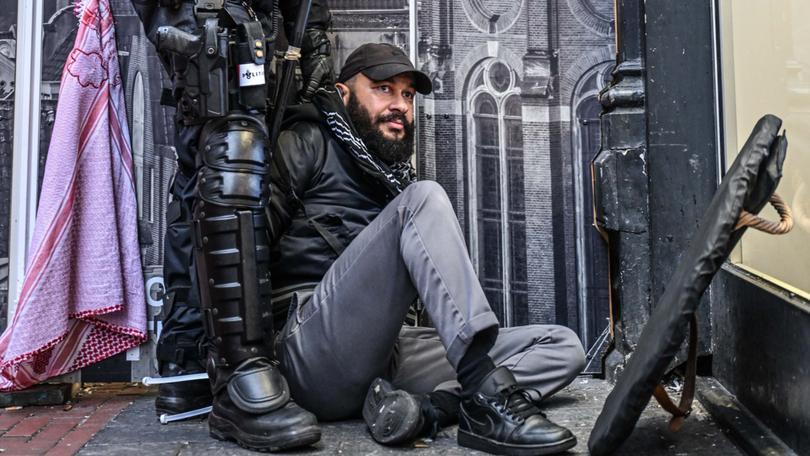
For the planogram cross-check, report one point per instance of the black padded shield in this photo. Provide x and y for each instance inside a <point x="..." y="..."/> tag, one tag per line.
<point x="748" y="185"/>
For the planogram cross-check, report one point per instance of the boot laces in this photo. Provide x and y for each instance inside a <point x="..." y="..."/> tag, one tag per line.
<point x="517" y="404"/>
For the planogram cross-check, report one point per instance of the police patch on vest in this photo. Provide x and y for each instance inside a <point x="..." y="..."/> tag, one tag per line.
<point x="251" y="74"/>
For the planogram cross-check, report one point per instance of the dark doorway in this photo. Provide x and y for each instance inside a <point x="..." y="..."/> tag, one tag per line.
<point x="593" y="298"/>
<point x="595" y="266"/>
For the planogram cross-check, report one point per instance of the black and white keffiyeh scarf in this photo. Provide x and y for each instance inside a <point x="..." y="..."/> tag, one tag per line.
<point x="393" y="177"/>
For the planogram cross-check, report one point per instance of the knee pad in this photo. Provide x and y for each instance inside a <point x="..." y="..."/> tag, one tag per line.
<point x="233" y="162"/>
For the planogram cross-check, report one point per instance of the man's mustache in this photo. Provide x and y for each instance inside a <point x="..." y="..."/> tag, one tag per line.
<point x="394" y="116"/>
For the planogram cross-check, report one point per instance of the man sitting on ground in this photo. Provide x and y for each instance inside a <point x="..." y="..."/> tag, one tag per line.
<point x="357" y="241"/>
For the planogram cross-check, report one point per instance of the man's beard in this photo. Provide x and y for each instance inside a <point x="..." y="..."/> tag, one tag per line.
<point x="389" y="150"/>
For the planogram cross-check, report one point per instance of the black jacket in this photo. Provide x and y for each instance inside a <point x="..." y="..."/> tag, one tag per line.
<point x="334" y="199"/>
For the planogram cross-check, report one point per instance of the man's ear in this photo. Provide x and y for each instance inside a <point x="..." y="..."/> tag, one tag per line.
<point x="343" y="90"/>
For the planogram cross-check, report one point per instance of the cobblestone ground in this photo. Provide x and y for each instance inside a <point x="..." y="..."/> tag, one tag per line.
<point x="136" y="431"/>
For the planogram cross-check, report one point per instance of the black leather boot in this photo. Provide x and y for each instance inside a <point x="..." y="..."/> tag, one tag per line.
<point x="174" y="398"/>
<point x="252" y="407"/>
<point x="500" y="418"/>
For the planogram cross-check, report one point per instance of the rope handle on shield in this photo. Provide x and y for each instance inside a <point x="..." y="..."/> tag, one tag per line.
<point x="680" y="411"/>
<point x="783" y="226"/>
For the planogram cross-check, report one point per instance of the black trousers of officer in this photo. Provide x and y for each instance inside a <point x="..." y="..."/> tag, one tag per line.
<point x="182" y="337"/>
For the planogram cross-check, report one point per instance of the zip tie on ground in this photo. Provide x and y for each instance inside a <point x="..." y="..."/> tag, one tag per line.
<point x="148" y="381"/>
<point x="166" y="418"/>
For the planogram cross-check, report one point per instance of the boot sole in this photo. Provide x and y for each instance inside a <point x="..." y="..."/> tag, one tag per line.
<point x="175" y="405"/>
<point x="222" y="429"/>
<point x="386" y="426"/>
<point x="477" y="442"/>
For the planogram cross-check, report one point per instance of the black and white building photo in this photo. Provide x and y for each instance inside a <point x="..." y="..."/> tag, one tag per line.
<point x="509" y="132"/>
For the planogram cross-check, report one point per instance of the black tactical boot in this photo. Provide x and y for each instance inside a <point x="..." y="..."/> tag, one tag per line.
<point x="500" y="418"/>
<point x="252" y="407"/>
<point x="174" y="398"/>
<point x="396" y="417"/>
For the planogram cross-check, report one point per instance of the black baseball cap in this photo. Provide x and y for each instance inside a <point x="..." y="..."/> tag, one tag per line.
<point x="381" y="61"/>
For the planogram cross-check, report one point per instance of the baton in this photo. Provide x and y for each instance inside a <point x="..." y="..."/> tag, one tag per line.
<point x="292" y="55"/>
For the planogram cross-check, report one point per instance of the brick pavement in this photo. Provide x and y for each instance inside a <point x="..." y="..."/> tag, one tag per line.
<point x="62" y="430"/>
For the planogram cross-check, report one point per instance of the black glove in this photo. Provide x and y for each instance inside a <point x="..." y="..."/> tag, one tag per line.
<point x="316" y="62"/>
<point x="156" y="13"/>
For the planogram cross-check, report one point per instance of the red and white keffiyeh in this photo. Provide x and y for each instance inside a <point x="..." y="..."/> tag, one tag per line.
<point x="82" y="298"/>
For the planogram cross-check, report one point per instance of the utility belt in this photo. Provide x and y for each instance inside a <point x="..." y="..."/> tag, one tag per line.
<point x="221" y="68"/>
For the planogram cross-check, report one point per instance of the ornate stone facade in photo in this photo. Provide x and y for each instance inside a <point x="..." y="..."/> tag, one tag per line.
<point x="510" y="132"/>
<point x="355" y="22"/>
<point x="8" y="51"/>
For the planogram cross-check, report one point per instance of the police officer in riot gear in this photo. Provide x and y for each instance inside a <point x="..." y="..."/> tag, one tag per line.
<point x="218" y="54"/>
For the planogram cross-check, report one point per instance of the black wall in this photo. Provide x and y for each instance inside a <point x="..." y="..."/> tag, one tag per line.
<point x="761" y="346"/>
<point x="659" y="159"/>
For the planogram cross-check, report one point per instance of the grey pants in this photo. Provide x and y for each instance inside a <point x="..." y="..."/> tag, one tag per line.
<point x="349" y="331"/>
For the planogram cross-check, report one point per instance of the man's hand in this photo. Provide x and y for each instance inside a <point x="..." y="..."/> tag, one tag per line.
<point x="316" y="62"/>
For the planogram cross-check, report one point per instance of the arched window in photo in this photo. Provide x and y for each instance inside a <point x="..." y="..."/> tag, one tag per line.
<point x="495" y="189"/>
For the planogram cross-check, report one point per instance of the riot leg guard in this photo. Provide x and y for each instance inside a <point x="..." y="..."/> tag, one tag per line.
<point x="233" y="253"/>
<point x="220" y="86"/>
<point x="251" y="397"/>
